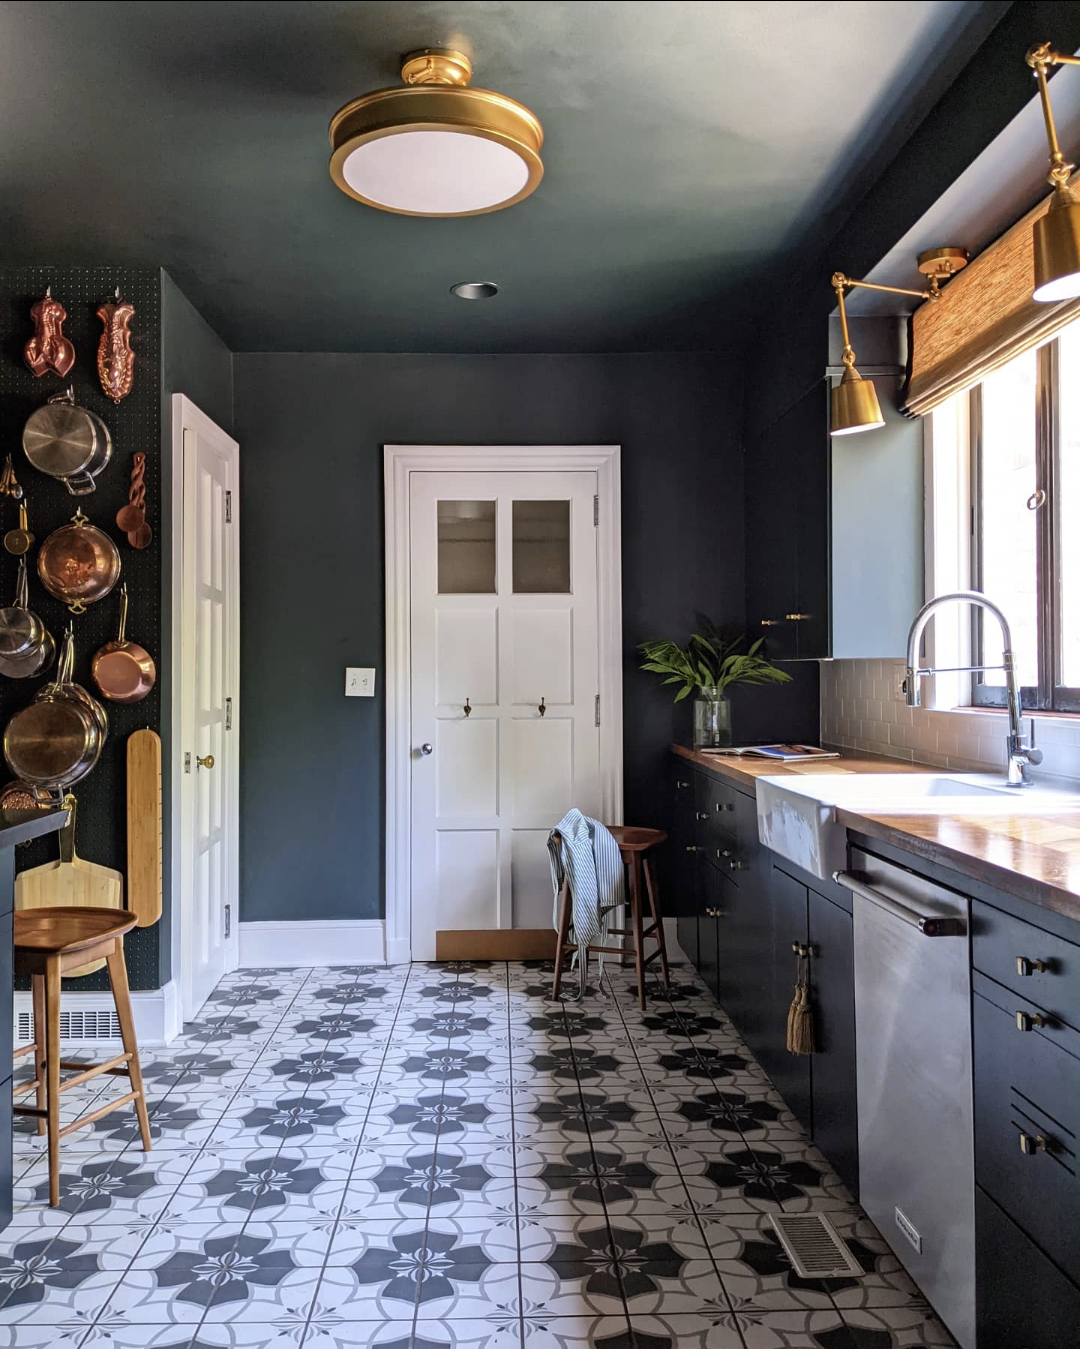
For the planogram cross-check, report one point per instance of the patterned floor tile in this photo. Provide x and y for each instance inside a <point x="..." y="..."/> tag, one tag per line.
<point x="443" y="1157"/>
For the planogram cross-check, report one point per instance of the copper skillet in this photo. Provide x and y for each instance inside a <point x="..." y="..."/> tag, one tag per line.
<point x="78" y="564"/>
<point x="123" y="671"/>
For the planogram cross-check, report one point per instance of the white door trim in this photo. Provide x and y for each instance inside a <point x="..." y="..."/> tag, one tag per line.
<point x="187" y="416"/>
<point x="399" y="461"/>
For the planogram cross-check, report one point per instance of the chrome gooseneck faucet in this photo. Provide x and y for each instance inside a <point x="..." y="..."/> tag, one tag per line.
<point x="1021" y="754"/>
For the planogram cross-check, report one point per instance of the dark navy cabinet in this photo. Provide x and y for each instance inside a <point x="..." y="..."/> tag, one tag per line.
<point x="748" y="913"/>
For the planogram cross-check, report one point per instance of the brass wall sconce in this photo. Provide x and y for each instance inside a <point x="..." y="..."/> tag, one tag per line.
<point x="854" y="400"/>
<point x="1056" y="236"/>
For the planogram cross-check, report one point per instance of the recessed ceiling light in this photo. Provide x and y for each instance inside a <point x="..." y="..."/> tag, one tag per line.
<point x="475" y="290"/>
<point x="435" y="147"/>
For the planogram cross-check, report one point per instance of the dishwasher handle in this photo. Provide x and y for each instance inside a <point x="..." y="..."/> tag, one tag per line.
<point x="930" y="925"/>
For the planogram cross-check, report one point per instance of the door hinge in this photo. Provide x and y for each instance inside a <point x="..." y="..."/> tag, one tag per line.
<point x="228" y="714"/>
<point x="596" y="707"/>
<point x="228" y="920"/>
<point x="228" y="507"/>
<point x="187" y="763"/>
<point x="596" y="510"/>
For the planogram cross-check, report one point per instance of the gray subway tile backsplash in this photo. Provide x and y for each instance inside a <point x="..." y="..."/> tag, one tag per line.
<point x="860" y="711"/>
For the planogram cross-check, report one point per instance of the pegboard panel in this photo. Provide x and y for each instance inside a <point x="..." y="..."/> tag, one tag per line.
<point x="135" y="424"/>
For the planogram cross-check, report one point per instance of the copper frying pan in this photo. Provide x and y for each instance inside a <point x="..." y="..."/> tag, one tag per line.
<point x="78" y="564"/>
<point x="123" y="671"/>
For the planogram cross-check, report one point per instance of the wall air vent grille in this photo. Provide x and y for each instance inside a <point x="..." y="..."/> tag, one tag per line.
<point x="79" y="1025"/>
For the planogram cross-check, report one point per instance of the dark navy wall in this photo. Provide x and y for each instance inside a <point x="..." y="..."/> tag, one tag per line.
<point x="311" y="430"/>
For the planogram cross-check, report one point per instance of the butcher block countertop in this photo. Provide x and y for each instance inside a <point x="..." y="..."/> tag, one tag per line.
<point x="1034" y="857"/>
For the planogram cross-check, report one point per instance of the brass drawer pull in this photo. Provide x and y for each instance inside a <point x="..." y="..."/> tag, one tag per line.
<point x="771" y="622"/>
<point x="723" y="852"/>
<point x="1029" y="1020"/>
<point x="736" y="865"/>
<point x="1025" y="967"/>
<point x="691" y="847"/>
<point x="701" y="815"/>
<point x="681" y="785"/>
<point x="1029" y="1145"/>
<point x="797" y="618"/>
<point x="723" y="805"/>
<point x="714" y="913"/>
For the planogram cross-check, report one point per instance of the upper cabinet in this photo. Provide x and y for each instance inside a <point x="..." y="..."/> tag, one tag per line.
<point x="834" y="531"/>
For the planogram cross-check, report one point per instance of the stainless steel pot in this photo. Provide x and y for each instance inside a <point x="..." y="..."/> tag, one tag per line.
<point x="21" y="632"/>
<point x="68" y="442"/>
<point x="57" y="740"/>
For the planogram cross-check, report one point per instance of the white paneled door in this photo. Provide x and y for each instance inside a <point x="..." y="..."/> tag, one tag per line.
<point x="504" y="691"/>
<point x="208" y="767"/>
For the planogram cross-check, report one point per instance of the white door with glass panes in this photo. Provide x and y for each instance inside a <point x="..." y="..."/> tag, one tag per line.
<point x="504" y="695"/>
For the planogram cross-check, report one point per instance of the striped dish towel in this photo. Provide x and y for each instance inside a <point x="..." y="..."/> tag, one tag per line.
<point x="583" y="853"/>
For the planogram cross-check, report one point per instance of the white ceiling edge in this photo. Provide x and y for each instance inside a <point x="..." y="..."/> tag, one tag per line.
<point x="1006" y="180"/>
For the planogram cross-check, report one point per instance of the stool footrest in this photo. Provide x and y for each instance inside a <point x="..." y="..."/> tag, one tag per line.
<point x="95" y="1070"/>
<point x="95" y="1115"/>
<point x="29" y="1110"/>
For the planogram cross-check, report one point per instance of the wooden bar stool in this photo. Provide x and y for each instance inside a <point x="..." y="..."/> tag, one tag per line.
<point x="635" y="845"/>
<point x="49" y="942"/>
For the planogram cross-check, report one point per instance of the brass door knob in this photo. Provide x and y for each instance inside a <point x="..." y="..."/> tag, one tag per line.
<point x="205" y="762"/>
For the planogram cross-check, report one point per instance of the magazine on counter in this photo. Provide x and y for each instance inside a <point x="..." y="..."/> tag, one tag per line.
<point x="781" y="753"/>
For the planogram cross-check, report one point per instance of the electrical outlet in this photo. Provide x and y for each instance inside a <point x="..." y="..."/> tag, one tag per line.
<point x="359" y="682"/>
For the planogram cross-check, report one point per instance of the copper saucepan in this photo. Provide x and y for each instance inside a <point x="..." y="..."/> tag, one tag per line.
<point x="123" y="671"/>
<point x="57" y="740"/>
<point x="78" y="563"/>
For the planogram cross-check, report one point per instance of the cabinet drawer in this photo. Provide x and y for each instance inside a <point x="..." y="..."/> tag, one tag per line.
<point x="1022" y="1300"/>
<point x="1002" y="946"/>
<point x="714" y="812"/>
<point x="1027" y="1118"/>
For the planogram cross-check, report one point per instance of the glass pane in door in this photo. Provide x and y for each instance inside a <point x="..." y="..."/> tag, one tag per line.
<point x="541" y="533"/>
<point x="466" y="547"/>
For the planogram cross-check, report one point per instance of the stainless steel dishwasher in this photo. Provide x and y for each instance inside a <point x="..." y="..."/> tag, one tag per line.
<point x="913" y="1051"/>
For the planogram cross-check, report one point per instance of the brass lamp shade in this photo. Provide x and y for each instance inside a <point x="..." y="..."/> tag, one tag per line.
<point x="1056" y="237"/>
<point x="855" y="405"/>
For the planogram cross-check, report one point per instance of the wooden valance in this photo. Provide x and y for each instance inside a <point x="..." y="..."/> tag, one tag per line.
<point x="984" y="318"/>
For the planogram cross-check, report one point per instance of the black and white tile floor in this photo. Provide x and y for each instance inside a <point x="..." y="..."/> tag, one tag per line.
<point x="433" y="1156"/>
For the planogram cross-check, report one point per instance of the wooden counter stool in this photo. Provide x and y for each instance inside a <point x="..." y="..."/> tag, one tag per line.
<point x="635" y="845"/>
<point x="49" y="942"/>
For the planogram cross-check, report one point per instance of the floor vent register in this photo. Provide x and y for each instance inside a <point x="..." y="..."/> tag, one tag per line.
<point x="814" y="1247"/>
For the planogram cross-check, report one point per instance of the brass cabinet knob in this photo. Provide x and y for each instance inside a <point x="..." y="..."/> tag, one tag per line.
<point x="691" y="847"/>
<point x="771" y="622"/>
<point x="1025" y="967"/>
<point x="1029" y="1020"/>
<point x="681" y="785"/>
<point x="714" y="913"/>
<point x="736" y="865"/>
<point x="1030" y="1145"/>
<point x="797" y="618"/>
<point x="206" y="761"/>
<point x="723" y="852"/>
<point x="701" y="815"/>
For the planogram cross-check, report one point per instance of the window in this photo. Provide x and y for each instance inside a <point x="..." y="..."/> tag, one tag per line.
<point x="1013" y="523"/>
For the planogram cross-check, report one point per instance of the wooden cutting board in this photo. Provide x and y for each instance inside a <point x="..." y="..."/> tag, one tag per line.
<point x="144" y="826"/>
<point x="70" y="881"/>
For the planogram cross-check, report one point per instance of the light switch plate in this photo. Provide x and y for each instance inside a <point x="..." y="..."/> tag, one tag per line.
<point x="359" y="682"/>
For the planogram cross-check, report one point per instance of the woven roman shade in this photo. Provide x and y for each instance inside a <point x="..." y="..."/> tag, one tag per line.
<point x="984" y="318"/>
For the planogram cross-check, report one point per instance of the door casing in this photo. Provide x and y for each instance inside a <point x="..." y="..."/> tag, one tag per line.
<point x="181" y="816"/>
<point x="399" y="462"/>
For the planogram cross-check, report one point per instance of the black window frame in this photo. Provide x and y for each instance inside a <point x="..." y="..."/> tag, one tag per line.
<point x="1049" y="695"/>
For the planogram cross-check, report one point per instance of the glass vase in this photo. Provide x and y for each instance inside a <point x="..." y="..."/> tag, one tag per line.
<point x="712" y="719"/>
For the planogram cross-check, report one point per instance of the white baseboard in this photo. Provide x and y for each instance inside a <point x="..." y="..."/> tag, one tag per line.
<point x="156" y="1011"/>
<point x="292" y="945"/>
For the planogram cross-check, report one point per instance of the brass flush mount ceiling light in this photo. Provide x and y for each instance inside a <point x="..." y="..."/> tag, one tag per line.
<point x="1056" y="236"/>
<point x="854" y="401"/>
<point x="434" y="146"/>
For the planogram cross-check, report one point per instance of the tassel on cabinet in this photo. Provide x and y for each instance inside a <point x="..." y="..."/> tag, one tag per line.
<point x="800" y="1020"/>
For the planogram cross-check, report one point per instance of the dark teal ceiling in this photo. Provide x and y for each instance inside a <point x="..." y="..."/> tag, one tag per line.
<point x="691" y="149"/>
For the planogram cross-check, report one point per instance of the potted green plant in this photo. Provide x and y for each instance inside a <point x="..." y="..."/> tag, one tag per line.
<point x="707" y="666"/>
